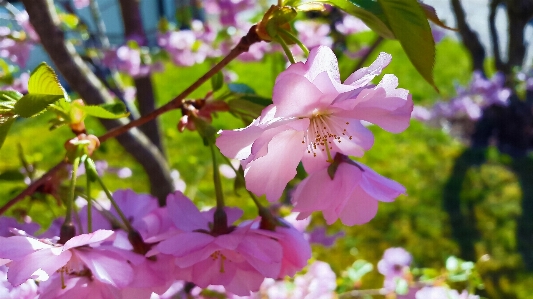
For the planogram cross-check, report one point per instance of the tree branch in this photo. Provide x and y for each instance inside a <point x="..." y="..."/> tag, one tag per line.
<point x="243" y="46"/>
<point x="494" y="36"/>
<point x="44" y="19"/>
<point x="134" y="30"/>
<point x="469" y="37"/>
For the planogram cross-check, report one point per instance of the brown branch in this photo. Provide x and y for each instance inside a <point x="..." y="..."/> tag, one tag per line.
<point x="519" y="12"/>
<point x="44" y="18"/>
<point x="500" y="65"/>
<point x="243" y="46"/>
<point x="469" y="37"/>
<point x="32" y="187"/>
<point x="133" y="29"/>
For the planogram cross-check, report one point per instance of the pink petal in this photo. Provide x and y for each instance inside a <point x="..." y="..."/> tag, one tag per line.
<point x="106" y="266"/>
<point x="295" y="96"/>
<point x="380" y="187"/>
<point x="185" y="244"/>
<point x="185" y="214"/>
<point x="321" y="59"/>
<point x="17" y="247"/>
<point x="85" y="239"/>
<point x="238" y="143"/>
<point x="47" y="260"/>
<point x="359" y="209"/>
<point x="270" y="174"/>
<point x="364" y="76"/>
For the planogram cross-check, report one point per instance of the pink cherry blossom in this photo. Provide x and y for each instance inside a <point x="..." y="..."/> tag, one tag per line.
<point x="239" y="260"/>
<point x="313" y="117"/>
<point x="352" y="195"/>
<point x="393" y="265"/>
<point x="28" y="255"/>
<point x="27" y="290"/>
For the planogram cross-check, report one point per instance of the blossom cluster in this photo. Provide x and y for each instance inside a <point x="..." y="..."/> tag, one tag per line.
<point x="169" y="245"/>
<point x="458" y="115"/>
<point x="316" y="119"/>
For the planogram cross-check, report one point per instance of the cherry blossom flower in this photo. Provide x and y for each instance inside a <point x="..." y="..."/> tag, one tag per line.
<point x="239" y="260"/>
<point x="439" y="292"/>
<point x="27" y="290"/>
<point x="352" y="195"/>
<point x="393" y="265"/>
<point x="28" y="255"/>
<point x="313" y="117"/>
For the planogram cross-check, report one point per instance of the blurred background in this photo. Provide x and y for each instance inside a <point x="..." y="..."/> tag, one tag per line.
<point x="465" y="160"/>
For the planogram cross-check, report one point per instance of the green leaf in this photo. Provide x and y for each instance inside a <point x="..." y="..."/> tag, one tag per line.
<point x="409" y="24"/>
<point x="11" y="175"/>
<point x="5" y="124"/>
<point x="359" y="269"/>
<point x="70" y="20"/>
<point x="43" y="80"/>
<point x="367" y="10"/>
<point x="43" y="89"/>
<point x="240" y="88"/>
<point x="109" y="111"/>
<point x="32" y="104"/>
<point x="217" y="81"/>
<point x="8" y="98"/>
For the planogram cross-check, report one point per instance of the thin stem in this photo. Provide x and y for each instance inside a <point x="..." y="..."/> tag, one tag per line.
<point x="72" y="193"/>
<point x="237" y="173"/>
<point x="216" y="178"/>
<point x="119" y="211"/>
<point x="286" y="50"/>
<point x="89" y="206"/>
<point x="242" y="47"/>
<point x="291" y="36"/>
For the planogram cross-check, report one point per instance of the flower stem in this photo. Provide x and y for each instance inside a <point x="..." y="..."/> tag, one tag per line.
<point x="72" y="189"/>
<point x="286" y="49"/>
<point x="291" y="36"/>
<point x="259" y="206"/>
<point x="89" y="207"/>
<point x="119" y="211"/>
<point x="216" y="178"/>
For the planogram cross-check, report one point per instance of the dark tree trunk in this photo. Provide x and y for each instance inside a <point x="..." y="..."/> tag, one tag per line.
<point x="133" y="29"/>
<point x="44" y="19"/>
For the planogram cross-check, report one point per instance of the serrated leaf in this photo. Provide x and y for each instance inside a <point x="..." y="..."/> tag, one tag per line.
<point x="245" y="107"/>
<point x="107" y="111"/>
<point x="431" y="14"/>
<point x="11" y="175"/>
<point x="33" y="104"/>
<point x="5" y="124"/>
<point x="8" y="98"/>
<point x="408" y="22"/>
<point x="43" y="80"/>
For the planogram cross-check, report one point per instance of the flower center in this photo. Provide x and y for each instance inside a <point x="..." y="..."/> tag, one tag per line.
<point x="324" y="129"/>
<point x="215" y="256"/>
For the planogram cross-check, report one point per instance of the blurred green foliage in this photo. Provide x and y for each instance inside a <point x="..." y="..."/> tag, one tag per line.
<point x="420" y="158"/>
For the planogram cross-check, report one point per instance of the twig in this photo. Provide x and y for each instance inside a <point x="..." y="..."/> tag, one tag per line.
<point x="32" y="187"/>
<point x="243" y="46"/>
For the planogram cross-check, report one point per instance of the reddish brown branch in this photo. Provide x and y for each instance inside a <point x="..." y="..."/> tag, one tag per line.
<point x="243" y="46"/>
